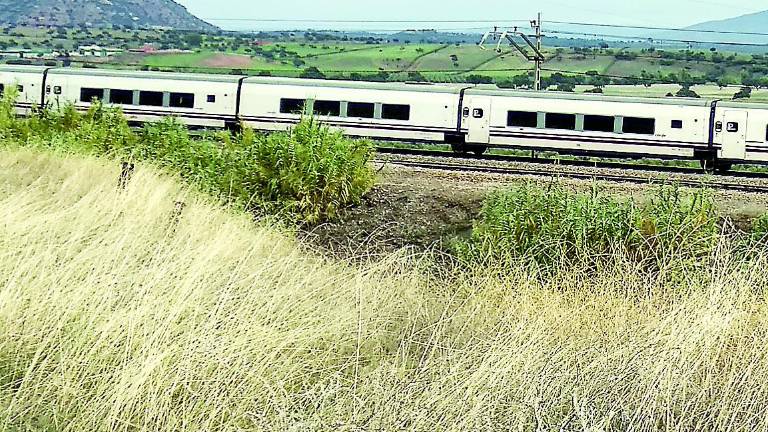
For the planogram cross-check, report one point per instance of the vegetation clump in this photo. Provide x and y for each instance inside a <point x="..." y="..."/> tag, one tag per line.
<point x="553" y="226"/>
<point x="120" y="312"/>
<point x="306" y="174"/>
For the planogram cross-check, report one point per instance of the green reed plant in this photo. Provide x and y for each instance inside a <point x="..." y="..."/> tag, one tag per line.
<point x="552" y="226"/>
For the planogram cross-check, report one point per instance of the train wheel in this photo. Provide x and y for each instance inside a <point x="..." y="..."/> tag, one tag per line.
<point x="708" y="165"/>
<point x="459" y="148"/>
<point x="723" y="167"/>
<point x="713" y="166"/>
<point x="479" y="150"/>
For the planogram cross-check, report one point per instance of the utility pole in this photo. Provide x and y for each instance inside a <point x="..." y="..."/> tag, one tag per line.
<point x="537" y="57"/>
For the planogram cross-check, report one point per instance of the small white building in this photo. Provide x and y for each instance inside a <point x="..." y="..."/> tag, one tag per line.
<point x="97" y="51"/>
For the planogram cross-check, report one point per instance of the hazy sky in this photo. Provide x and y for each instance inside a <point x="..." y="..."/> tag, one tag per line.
<point x="632" y="12"/>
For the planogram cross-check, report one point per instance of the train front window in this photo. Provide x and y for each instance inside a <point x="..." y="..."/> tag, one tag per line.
<point x="396" y="112"/>
<point x="677" y="124"/>
<point x="327" y="108"/>
<point x="561" y="121"/>
<point x="121" y="97"/>
<point x="522" y="119"/>
<point x="598" y="123"/>
<point x="640" y="126"/>
<point x="151" y="98"/>
<point x="182" y="100"/>
<point x="292" y="106"/>
<point x="361" y="109"/>
<point x="89" y="94"/>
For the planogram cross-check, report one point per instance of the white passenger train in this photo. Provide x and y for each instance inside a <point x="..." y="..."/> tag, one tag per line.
<point x="471" y="118"/>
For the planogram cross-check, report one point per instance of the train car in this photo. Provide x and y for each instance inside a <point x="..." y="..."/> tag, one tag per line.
<point x="388" y="111"/>
<point x="471" y="118"/>
<point x="587" y="124"/>
<point x="716" y="133"/>
<point x="196" y="99"/>
<point x="740" y="131"/>
<point x="28" y="82"/>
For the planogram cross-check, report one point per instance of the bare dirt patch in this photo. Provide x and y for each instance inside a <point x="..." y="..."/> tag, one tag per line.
<point x="227" y="61"/>
<point x="426" y="209"/>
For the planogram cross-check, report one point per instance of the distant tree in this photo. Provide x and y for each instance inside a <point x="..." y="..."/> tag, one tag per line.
<point x="313" y="73"/>
<point x="566" y="87"/>
<point x="416" y="77"/>
<point x="685" y="91"/>
<point x="744" y="93"/>
<point x="479" y="79"/>
<point x="193" y="39"/>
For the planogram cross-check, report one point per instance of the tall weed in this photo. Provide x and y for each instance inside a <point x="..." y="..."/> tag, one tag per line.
<point x="553" y="226"/>
<point x="307" y="174"/>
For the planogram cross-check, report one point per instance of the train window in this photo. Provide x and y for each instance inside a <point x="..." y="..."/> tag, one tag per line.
<point x="598" y="123"/>
<point x="522" y="119"/>
<point x="211" y="98"/>
<point x="732" y="127"/>
<point x="396" y="112"/>
<point x="677" y="124"/>
<point x="151" y="98"/>
<point x="57" y="90"/>
<point x="561" y="121"/>
<point x="20" y="88"/>
<point x="121" y="97"/>
<point x="642" y="126"/>
<point x="2" y="88"/>
<point x="360" y="109"/>
<point x="89" y="94"/>
<point x="182" y="100"/>
<point x="292" y="106"/>
<point x="327" y="108"/>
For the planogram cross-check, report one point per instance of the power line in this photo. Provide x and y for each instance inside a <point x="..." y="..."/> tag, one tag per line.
<point x="671" y="29"/>
<point x="336" y="21"/>
<point x="648" y="38"/>
<point x="493" y="21"/>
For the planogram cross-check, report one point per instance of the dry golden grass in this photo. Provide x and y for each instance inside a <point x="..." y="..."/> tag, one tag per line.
<point x="117" y="313"/>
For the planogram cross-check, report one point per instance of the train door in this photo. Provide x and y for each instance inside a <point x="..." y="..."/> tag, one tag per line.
<point x="734" y="129"/>
<point x="479" y="120"/>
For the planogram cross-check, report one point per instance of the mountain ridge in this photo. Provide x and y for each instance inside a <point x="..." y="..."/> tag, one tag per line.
<point x="100" y="14"/>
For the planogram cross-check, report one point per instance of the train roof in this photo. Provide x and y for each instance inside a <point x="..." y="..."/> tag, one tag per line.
<point x="22" y="69"/>
<point x="487" y="91"/>
<point x="145" y="74"/>
<point x="363" y="85"/>
<point x="479" y="90"/>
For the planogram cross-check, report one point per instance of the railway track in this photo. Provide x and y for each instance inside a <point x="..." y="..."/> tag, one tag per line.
<point x="579" y="163"/>
<point x="448" y="162"/>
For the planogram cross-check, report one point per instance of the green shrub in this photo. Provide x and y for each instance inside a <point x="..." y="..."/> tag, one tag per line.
<point x="311" y="171"/>
<point x="308" y="173"/>
<point x="760" y="228"/>
<point x="553" y="226"/>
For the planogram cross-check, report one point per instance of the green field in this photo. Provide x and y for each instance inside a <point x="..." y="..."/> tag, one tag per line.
<point x="295" y="55"/>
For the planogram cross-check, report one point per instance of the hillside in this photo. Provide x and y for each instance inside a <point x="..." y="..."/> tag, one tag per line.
<point x="751" y="23"/>
<point x="100" y="13"/>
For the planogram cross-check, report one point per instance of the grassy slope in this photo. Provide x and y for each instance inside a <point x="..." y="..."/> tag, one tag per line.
<point x="117" y="315"/>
